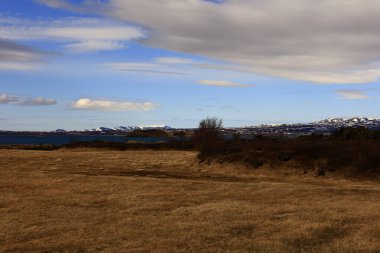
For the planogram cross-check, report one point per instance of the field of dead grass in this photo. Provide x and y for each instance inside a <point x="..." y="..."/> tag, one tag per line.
<point x="164" y="201"/>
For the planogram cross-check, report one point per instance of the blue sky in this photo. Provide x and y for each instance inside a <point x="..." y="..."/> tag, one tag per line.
<point x="85" y="64"/>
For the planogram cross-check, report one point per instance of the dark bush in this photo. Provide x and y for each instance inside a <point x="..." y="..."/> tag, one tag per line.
<point x="285" y="156"/>
<point x="322" y="156"/>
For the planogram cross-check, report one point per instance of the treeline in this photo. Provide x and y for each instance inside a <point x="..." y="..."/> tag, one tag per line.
<point x="348" y="151"/>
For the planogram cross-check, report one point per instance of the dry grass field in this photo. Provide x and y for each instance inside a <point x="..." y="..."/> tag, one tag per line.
<point x="164" y="201"/>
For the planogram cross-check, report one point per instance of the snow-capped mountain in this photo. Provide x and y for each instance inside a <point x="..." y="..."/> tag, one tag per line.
<point x="325" y="126"/>
<point x="145" y="127"/>
<point x="350" y="122"/>
<point x="127" y="128"/>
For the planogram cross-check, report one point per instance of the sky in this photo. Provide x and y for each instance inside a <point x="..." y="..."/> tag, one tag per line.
<point x="82" y="64"/>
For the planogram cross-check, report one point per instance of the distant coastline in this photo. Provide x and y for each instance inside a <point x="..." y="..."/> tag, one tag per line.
<point x="325" y="127"/>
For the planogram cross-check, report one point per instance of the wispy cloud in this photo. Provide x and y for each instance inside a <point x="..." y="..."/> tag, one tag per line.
<point x="173" y="60"/>
<point x="25" y="101"/>
<point x="170" y="65"/>
<point x="352" y="94"/>
<point x="110" y="105"/>
<point x="75" y="34"/>
<point x="37" y="101"/>
<point x="143" y="67"/>
<point x="222" y="67"/>
<point x="12" y="51"/>
<point x="292" y="42"/>
<point x="19" y="66"/>
<point x="14" y="56"/>
<point x="221" y="83"/>
<point x="126" y="66"/>
<point x="94" y="45"/>
<point x="7" y="99"/>
<point x="60" y="4"/>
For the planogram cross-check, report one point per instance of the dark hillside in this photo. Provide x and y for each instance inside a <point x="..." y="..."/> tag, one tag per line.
<point x="148" y="133"/>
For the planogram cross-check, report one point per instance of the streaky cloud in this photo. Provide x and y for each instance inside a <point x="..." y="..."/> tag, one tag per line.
<point x="74" y="34"/>
<point x="15" y="66"/>
<point x="352" y="94"/>
<point x="173" y="60"/>
<point x="7" y="99"/>
<point x="26" y="101"/>
<point x="143" y="67"/>
<point x="111" y="105"/>
<point x="221" y="83"/>
<point x="15" y="56"/>
<point x="37" y="101"/>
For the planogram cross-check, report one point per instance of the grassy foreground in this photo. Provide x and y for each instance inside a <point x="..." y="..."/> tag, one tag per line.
<point x="164" y="201"/>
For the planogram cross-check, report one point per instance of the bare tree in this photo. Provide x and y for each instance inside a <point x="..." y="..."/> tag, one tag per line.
<point x="211" y="124"/>
<point x="207" y="135"/>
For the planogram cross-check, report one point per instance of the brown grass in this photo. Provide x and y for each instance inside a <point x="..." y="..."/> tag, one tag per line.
<point x="164" y="201"/>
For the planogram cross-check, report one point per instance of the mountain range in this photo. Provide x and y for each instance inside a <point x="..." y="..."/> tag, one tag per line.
<point x="323" y="126"/>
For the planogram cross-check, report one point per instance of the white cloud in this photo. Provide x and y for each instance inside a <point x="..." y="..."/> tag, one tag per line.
<point x="220" y="83"/>
<point x="109" y="105"/>
<point x="84" y="46"/>
<point x="25" y="101"/>
<point x="325" y="41"/>
<point x="77" y="34"/>
<point x="352" y="94"/>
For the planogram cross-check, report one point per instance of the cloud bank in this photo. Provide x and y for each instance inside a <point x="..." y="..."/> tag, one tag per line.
<point x="326" y="41"/>
<point x="109" y="105"/>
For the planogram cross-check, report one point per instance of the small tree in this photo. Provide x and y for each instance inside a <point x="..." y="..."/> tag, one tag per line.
<point x="211" y="124"/>
<point x="207" y="135"/>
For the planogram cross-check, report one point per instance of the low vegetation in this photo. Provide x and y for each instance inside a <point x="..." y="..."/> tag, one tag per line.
<point x="352" y="152"/>
<point x="348" y="152"/>
<point x="354" y="158"/>
<point x="90" y="200"/>
<point x="148" y="133"/>
<point x="200" y="194"/>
